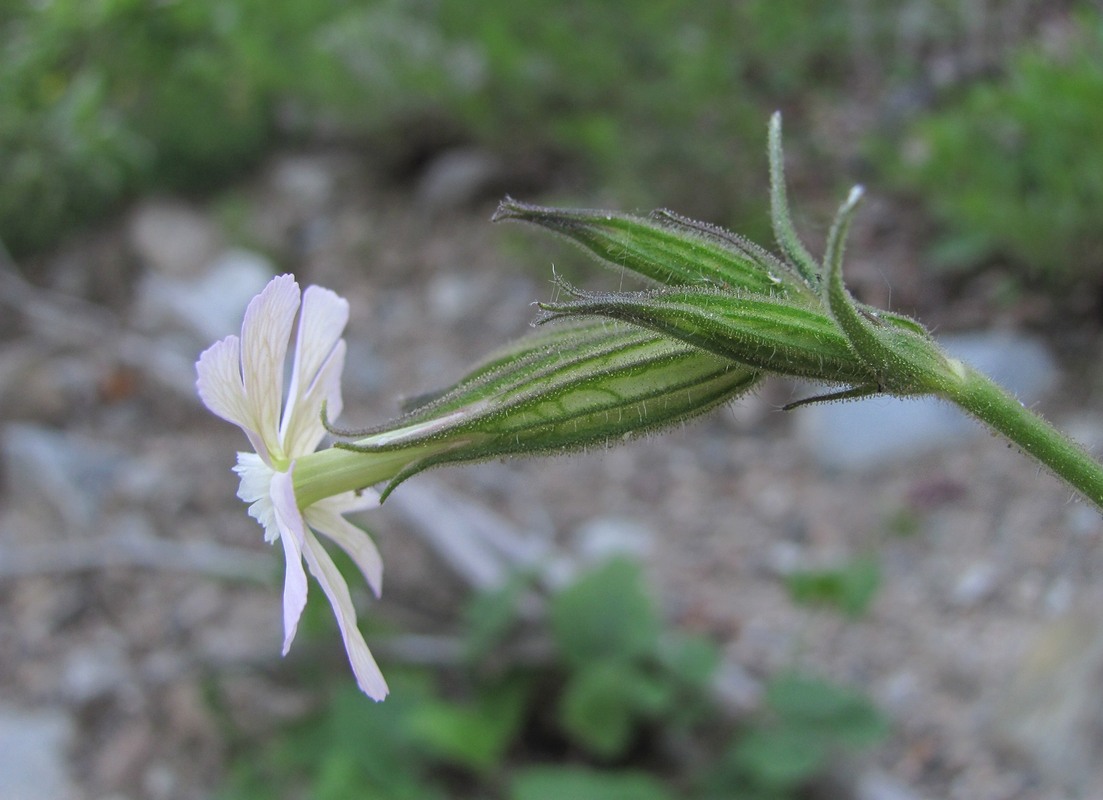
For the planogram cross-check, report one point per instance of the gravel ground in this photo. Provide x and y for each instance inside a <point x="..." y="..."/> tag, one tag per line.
<point x="131" y="578"/>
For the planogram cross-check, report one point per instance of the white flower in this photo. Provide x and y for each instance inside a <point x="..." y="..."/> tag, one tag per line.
<point x="241" y="380"/>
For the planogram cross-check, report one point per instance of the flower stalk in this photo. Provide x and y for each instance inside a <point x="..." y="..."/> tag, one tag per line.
<point x="980" y="396"/>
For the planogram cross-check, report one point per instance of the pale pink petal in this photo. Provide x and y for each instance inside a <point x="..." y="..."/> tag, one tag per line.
<point x="305" y="429"/>
<point x="368" y="676"/>
<point x="293" y="535"/>
<point x="265" y="335"/>
<point x="222" y="391"/>
<point x="354" y="541"/>
<point x="313" y="377"/>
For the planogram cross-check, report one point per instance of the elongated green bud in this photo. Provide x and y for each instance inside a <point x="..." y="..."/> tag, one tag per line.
<point x="766" y="333"/>
<point x="667" y="248"/>
<point x="566" y="389"/>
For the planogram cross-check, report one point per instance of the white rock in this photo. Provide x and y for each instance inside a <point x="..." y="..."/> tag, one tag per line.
<point x="171" y="238"/>
<point x="458" y="177"/>
<point x="209" y="305"/>
<point x="33" y="763"/>
<point x="602" y="538"/>
<point x="975" y="584"/>
<point x="1051" y="711"/>
<point x="867" y="433"/>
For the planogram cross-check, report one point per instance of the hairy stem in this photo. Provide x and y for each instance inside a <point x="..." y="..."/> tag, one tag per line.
<point x="989" y="402"/>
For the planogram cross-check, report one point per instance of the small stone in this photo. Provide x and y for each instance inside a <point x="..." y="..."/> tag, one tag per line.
<point x="171" y="238"/>
<point x="209" y="304"/>
<point x="458" y="178"/>
<point x="602" y="538"/>
<point x="866" y="433"/>
<point x="33" y="760"/>
<point x="93" y="671"/>
<point x="877" y="785"/>
<point x="308" y="180"/>
<point x="975" y="584"/>
<point x="1051" y="711"/>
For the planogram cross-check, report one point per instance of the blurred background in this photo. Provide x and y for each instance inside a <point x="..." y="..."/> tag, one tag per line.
<point x="874" y="601"/>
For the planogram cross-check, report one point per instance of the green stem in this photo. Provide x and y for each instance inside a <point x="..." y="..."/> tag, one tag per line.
<point x="986" y="400"/>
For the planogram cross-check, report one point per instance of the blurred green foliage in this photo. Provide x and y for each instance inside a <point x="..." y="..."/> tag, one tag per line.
<point x="849" y="588"/>
<point x="102" y="99"/>
<point x="1012" y="167"/>
<point x="599" y="718"/>
<point x="806" y="722"/>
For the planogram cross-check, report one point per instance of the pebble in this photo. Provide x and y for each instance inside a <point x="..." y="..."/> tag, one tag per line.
<point x="1051" y="711"/>
<point x="71" y="474"/>
<point x="94" y="671"/>
<point x="33" y="754"/>
<point x="864" y="434"/>
<point x="877" y="785"/>
<point x="208" y="304"/>
<point x="602" y="538"/>
<point x="171" y="238"/>
<point x="458" y="177"/>
<point x="975" y="585"/>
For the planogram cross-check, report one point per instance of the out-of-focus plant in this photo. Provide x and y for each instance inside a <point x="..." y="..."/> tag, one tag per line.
<point x="1012" y="167"/>
<point x="102" y="100"/>
<point x="848" y="588"/>
<point x="599" y="715"/>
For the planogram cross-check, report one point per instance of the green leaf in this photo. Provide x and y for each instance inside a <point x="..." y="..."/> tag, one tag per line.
<point x="840" y="715"/>
<point x="580" y="783"/>
<point x="690" y="659"/>
<point x="491" y="615"/>
<point x="604" y="700"/>
<point x="476" y="736"/>
<point x="606" y="614"/>
<point x="596" y="708"/>
<point x="849" y="588"/>
<point x="780" y="758"/>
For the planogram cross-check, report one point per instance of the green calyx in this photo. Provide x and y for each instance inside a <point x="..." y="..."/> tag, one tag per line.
<point x="566" y="389"/>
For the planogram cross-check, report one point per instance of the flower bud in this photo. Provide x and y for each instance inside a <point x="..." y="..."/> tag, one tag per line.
<point x="667" y="248"/>
<point x="770" y="334"/>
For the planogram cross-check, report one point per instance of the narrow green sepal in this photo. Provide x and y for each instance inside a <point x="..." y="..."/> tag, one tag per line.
<point x="665" y="248"/>
<point x="784" y="232"/>
<point x="902" y="357"/>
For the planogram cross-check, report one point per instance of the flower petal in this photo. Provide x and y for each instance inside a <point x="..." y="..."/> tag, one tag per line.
<point x="305" y="429"/>
<point x="222" y="391"/>
<point x="354" y="541"/>
<point x="265" y="335"/>
<point x="316" y="371"/>
<point x="255" y="488"/>
<point x="293" y="535"/>
<point x="368" y="675"/>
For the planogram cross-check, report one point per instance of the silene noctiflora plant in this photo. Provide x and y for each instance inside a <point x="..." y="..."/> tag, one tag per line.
<point x="719" y="313"/>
